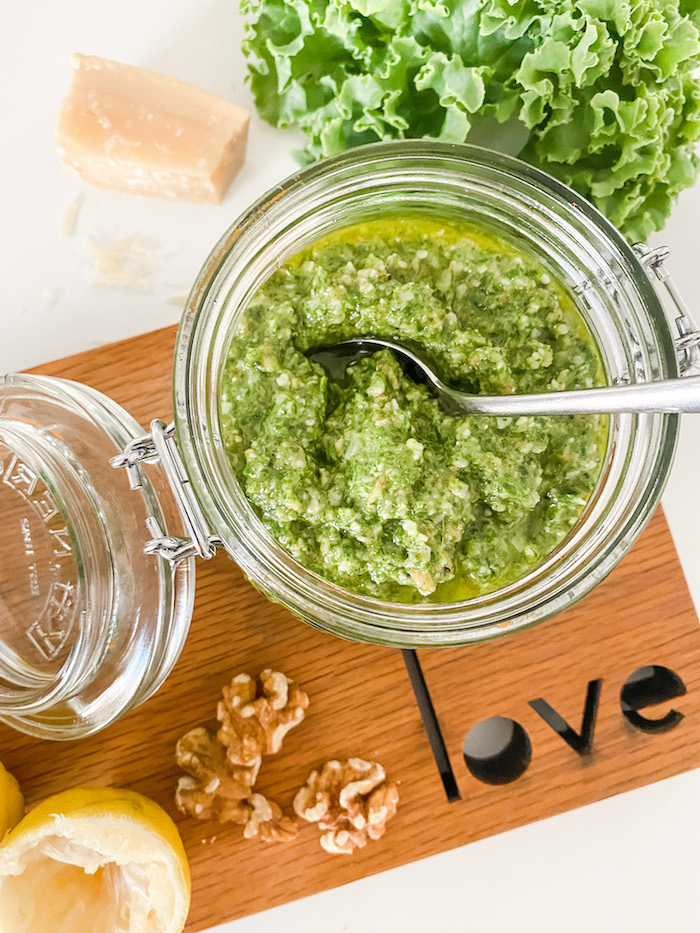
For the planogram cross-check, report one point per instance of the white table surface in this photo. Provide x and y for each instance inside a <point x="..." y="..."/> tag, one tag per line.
<point x="628" y="863"/>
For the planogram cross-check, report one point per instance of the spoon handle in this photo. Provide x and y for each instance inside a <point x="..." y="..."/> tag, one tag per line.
<point x="667" y="396"/>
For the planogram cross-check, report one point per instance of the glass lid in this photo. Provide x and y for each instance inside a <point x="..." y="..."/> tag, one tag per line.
<point x="89" y="624"/>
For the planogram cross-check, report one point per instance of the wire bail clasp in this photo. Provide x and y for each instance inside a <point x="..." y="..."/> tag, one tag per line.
<point x="653" y="259"/>
<point x="160" y="446"/>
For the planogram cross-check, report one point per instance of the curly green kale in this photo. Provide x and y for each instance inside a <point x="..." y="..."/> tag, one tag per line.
<point x="606" y="88"/>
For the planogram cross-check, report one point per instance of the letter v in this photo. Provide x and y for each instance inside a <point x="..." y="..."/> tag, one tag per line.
<point x="583" y="742"/>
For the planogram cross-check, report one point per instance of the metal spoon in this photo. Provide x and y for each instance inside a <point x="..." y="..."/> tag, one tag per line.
<point x="669" y="395"/>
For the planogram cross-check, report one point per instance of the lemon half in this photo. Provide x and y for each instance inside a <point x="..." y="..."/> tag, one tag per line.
<point x="94" y="860"/>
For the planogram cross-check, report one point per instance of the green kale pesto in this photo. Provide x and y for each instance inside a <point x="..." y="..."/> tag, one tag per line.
<point x="370" y="484"/>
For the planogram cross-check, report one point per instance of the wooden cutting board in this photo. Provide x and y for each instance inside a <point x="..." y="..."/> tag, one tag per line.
<point x="362" y="704"/>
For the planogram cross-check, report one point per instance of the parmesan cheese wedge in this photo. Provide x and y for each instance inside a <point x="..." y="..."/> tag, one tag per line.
<point x="140" y="132"/>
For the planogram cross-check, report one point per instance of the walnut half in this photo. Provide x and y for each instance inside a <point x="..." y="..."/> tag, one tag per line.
<point x="211" y="789"/>
<point x="255" y="715"/>
<point x="266" y="820"/>
<point x="351" y="801"/>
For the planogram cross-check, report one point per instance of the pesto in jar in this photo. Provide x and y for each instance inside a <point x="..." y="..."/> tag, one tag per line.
<point x="370" y="483"/>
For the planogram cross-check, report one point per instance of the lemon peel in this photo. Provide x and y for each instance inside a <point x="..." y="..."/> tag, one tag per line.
<point x="11" y="802"/>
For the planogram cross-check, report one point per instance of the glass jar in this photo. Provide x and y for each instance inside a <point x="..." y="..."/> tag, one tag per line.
<point x="542" y="218"/>
<point x="90" y="625"/>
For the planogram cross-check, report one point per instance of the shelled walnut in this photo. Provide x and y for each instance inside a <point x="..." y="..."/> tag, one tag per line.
<point x="211" y="789"/>
<point x="266" y="820"/>
<point x="254" y="716"/>
<point x="351" y="801"/>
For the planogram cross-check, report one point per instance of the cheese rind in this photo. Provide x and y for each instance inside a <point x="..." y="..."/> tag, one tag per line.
<point x="136" y="131"/>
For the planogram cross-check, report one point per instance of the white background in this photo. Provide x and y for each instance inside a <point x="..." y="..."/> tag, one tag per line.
<point x="625" y="864"/>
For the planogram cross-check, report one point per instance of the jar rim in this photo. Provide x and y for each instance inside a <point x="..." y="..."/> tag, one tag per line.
<point x="250" y="250"/>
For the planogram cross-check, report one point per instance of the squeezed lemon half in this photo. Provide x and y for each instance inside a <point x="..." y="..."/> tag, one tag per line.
<point x="94" y="860"/>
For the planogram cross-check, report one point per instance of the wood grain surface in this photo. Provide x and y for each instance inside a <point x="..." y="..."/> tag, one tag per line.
<point x="362" y="704"/>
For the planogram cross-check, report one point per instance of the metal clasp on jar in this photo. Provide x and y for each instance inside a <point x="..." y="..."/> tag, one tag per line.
<point x="653" y="259"/>
<point x="161" y="447"/>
